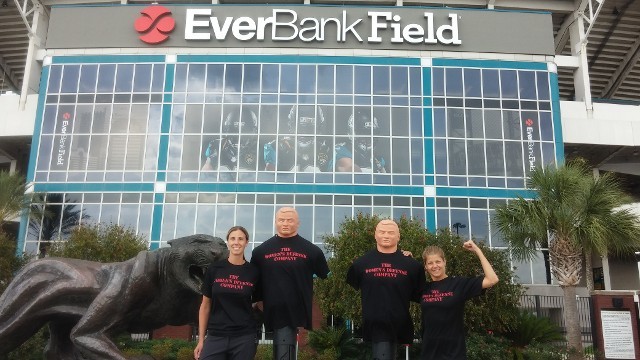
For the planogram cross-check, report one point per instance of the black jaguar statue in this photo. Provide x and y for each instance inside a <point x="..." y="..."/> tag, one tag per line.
<point x="86" y="302"/>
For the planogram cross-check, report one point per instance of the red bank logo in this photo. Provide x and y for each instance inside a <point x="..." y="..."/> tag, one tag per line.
<point x="154" y="24"/>
<point x="529" y="122"/>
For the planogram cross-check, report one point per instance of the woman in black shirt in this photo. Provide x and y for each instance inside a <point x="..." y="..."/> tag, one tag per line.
<point x="442" y="303"/>
<point x="226" y="310"/>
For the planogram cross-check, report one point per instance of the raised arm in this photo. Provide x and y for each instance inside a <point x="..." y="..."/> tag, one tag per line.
<point x="490" y="277"/>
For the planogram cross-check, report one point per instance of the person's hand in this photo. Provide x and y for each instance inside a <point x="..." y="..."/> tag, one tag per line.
<point x="198" y="350"/>
<point x="406" y="253"/>
<point x="470" y="245"/>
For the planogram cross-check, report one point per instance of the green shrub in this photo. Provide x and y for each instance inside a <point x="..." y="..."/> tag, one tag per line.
<point x="529" y="328"/>
<point x="100" y="242"/>
<point x="543" y="351"/>
<point x="185" y="353"/>
<point x="31" y="349"/>
<point x="484" y="347"/>
<point x="337" y="341"/>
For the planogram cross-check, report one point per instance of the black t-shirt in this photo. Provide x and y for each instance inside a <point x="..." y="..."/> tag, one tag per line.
<point x="443" y="317"/>
<point x="287" y="266"/>
<point x="230" y="288"/>
<point x="387" y="283"/>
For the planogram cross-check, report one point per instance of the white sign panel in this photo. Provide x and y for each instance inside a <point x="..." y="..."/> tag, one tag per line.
<point x="617" y="334"/>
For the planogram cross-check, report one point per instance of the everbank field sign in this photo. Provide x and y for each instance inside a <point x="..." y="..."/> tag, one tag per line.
<point x="388" y="28"/>
<point x="286" y="25"/>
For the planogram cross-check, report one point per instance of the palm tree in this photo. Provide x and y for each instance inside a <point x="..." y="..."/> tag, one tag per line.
<point x="573" y="214"/>
<point x="12" y="196"/>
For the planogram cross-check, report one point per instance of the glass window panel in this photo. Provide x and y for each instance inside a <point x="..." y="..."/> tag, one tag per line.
<point x="362" y="80"/>
<point x="196" y="78"/>
<point x="522" y="270"/>
<point x="144" y="221"/>
<point x="138" y="121"/>
<point x="157" y="81"/>
<point x="416" y="122"/>
<point x="264" y="223"/>
<point x="455" y="123"/>
<point x="441" y="156"/>
<point x="474" y="124"/>
<point x="88" y="79"/>
<point x="120" y="118"/>
<point x="340" y="213"/>
<point x="400" y="120"/>
<point x="476" y="157"/>
<point x="417" y="157"/>
<point x="101" y="119"/>
<point x="83" y="119"/>
<point x="142" y="79"/>
<point x="400" y="150"/>
<point x="493" y="124"/>
<point x="513" y="157"/>
<point x="187" y="216"/>
<point x="454" y="81"/>
<point x="117" y="147"/>
<point x="270" y="76"/>
<point x="546" y="126"/>
<point x="325" y="79"/>
<point x="399" y="80"/>
<point x="460" y="223"/>
<point x="55" y="77"/>
<point x="530" y="129"/>
<point x="289" y="79"/>
<point x="168" y="222"/>
<point x="44" y="153"/>
<point x="457" y="157"/>
<point x="251" y="79"/>
<point x="224" y="220"/>
<point x="307" y="84"/>
<point x="490" y="83"/>
<point x="106" y="78"/>
<point x="344" y="73"/>
<point x="511" y="122"/>
<point x="438" y="81"/>
<point x="212" y="118"/>
<point x="472" y="87"/>
<point x="233" y="78"/>
<point x="98" y="152"/>
<point x="415" y="81"/>
<point x="439" y="122"/>
<point x="215" y="78"/>
<point x="193" y="119"/>
<point x="542" y="81"/>
<point x="151" y="153"/>
<point x="496" y="236"/>
<point x="175" y="151"/>
<point x="381" y="80"/>
<point x="548" y="154"/>
<point x="177" y="118"/>
<point x="180" y="78"/>
<point x="383" y="117"/>
<point x="49" y="119"/>
<point x="129" y="216"/>
<point x="509" y="84"/>
<point x="124" y="78"/>
<point x="495" y="158"/>
<point x="135" y="152"/>
<point x="70" y="76"/>
<point x="527" y="84"/>
<point x="540" y="267"/>
<point x="479" y="225"/>
<point x="79" y="152"/>
<point x="205" y="219"/>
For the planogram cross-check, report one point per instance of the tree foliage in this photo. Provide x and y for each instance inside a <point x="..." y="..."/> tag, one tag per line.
<point x="10" y="262"/>
<point x="495" y="310"/>
<point x="573" y="214"/>
<point x="100" y="242"/>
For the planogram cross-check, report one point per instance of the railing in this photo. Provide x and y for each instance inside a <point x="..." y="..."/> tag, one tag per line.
<point x="552" y="307"/>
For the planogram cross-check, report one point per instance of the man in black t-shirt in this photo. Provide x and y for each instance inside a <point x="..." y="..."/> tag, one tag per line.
<point x="287" y="264"/>
<point x="388" y="281"/>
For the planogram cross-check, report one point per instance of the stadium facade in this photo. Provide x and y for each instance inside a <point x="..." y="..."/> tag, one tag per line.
<point x="176" y="119"/>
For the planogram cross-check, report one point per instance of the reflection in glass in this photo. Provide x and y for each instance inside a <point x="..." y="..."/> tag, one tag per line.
<point x="70" y="76"/>
<point x="509" y="84"/>
<point x="124" y="78"/>
<point x="454" y="82"/>
<point x="88" y="78"/>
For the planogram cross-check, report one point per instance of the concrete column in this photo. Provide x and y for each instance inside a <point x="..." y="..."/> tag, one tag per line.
<point x="33" y="69"/>
<point x="581" y="74"/>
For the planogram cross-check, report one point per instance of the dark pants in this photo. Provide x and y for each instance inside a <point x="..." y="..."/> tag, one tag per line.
<point x="241" y="347"/>
<point x="384" y="351"/>
<point x="284" y="343"/>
